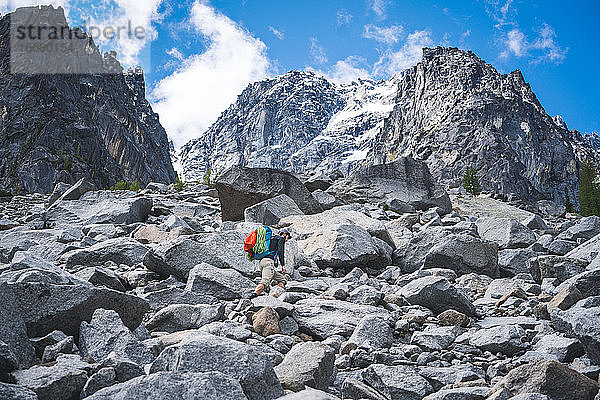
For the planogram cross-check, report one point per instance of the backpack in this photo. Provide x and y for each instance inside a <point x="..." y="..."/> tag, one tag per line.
<point x="256" y="244"/>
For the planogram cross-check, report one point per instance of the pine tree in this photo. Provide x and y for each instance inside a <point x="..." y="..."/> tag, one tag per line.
<point x="589" y="191"/>
<point x="470" y="181"/>
<point x="568" y="205"/>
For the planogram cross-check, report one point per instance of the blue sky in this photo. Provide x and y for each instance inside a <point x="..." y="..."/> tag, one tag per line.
<point x="200" y="54"/>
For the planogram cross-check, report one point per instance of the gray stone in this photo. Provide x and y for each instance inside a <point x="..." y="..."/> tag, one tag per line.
<point x="535" y="222"/>
<point x="241" y="187"/>
<point x="47" y="306"/>
<point x="75" y="192"/>
<point x="307" y="364"/>
<point x="202" y="352"/>
<point x="514" y="261"/>
<point x="436" y="338"/>
<point x="456" y="374"/>
<point x="371" y="333"/>
<point x="225" y="284"/>
<point x="506" y="232"/>
<point x="179" y="317"/>
<point x="229" y="329"/>
<point x="582" y="321"/>
<point x="179" y="256"/>
<point x="13" y="332"/>
<point x="159" y="299"/>
<point x="106" y="334"/>
<point x="283" y="309"/>
<point x="461" y="393"/>
<point x="397" y="382"/>
<point x="16" y="392"/>
<point x="555" y="347"/>
<point x="356" y="390"/>
<point x="271" y="211"/>
<point x="585" y="229"/>
<point x="552" y="266"/>
<point x="437" y="294"/>
<point x="309" y="394"/>
<point x="99" y="276"/>
<point x="326" y="200"/>
<point x="405" y="180"/>
<point x="119" y="250"/>
<point x="505" y="339"/>
<point x="561" y="247"/>
<point x="464" y="254"/>
<point x="367" y="295"/>
<point x="105" y="377"/>
<point x="61" y="381"/>
<point x="175" y="385"/>
<point x="587" y="251"/>
<point x="51" y="352"/>
<point x="324" y="318"/>
<point x="551" y="378"/>
<point x="288" y="326"/>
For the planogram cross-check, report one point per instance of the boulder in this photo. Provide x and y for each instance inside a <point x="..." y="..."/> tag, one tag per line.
<point x="179" y="256"/>
<point x="464" y="254"/>
<point x="159" y="299"/>
<point x="453" y="318"/>
<point x="552" y="266"/>
<point x="203" y="352"/>
<point x="271" y="211"/>
<point x="105" y="377"/>
<point x="224" y="284"/>
<point x="436" y="338"/>
<point x="307" y="364"/>
<point x="440" y="377"/>
<point x="17" y="348"/>
<point x="309" y="394"/>
<point x="512" y="262"/>
<point x="323" y="318"/>
<point x="437" y="294"/>
<point x="585" y="229"/>
<point x="535" y="222"/>
<point x="266" y="322"/>
<point x="397" y="382"/>
<point x="462" y="393"/>
<point x="61" y="381"/>
<point x="326" y="200"/>
<point x="582" y="321"/>
<point x="588" y="251"/>
<point x="179" y="317"/>
<point x="586" y="282"/>
<point x="505" y="339"/>
<point x="283" y="309"/>
<point x="100" y="207"/>
<point x="99" y="276"/>
<point x="241" y="187"/>
<point x="405" y="181"/>
<point x="508" y="233"/>
<point x="106" y="334"/>
<point x="550" y="378"/>
<point x="45" y="306"/>
<point x="555" y="347"/>
<point x="15" y="392"/>
<point x="372" y="333"/>
<point x="126" y="251"/>
<point x="75" y="192"/>
<point x="175" y="385"/>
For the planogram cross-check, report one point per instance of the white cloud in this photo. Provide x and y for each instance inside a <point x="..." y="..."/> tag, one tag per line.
<point x="501" y="11"/>
<point x="343" y="17"/>
<point x="410" y="54"/>
<point x="176" y="54"/>
<point x="317" y="52"/>
<point x="192" y="98"/>
<point x="542" y="48"/>
<point x="280" y="35"/>
<point x="7" y="6"/>
<point x="466" y="34"/>
<point x="346" y="71"/>
<point x="378" y="7"/>
<point x="388" y="35"/>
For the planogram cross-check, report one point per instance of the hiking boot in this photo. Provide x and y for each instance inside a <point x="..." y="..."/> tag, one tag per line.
<point x="281" y="285"/>
<point x="258" y="291"/>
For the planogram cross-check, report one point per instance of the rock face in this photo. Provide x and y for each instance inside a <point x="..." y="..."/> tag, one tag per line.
<point x="241" y="187"/>
<point x="451" y="110"/>
<point x="404" y="184"/>
<point x="56" y="128"/>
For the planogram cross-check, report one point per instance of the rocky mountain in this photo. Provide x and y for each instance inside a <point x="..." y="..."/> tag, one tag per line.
<point x="62" y="127"/>
<point x="451" y="110"/>
<point x="147" y="295"/>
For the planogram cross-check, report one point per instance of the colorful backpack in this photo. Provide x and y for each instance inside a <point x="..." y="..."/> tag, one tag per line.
<point x="256" y="244"/>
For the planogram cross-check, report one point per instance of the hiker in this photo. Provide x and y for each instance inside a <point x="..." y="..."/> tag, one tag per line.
<point x="268" y="263"/>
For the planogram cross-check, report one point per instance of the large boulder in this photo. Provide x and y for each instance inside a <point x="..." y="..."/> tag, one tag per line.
<point x="174" y="385"/>
<point x="271" y="211"/>
<point x="15" y="392"/>
<point x="464" y="254"/>
<point x="63" y="380"/>
<point x="324" y="318"/>
<point x="101" y="207"/>
<point x="106" y="334"/>
<point x="74" y="192"/>
<point x="437" y="294"/>
<point x="505" y="339"/>
<point x="550" y="378"/>
<point x="179" y="256"/>
<point x="551" y="266"/>
<point x="179" y="317"/>
<point x="203" y="352"/>
<point x="307" y="364"/>
<point x="241" y="187"/>
<point x="13" y="333"/>
<point x="397" y="382"/>
<point x="372" y="332"/>
<point x="508" y="233"/>
<point x="582" y="321"/>
<point x="126" y="251"/>
<point x="585" y="229"/>
<point x="405" y="181"/>
<point x="225" y="284"/>
<point x="46" y="306"/>
<point x="587" y="251"/>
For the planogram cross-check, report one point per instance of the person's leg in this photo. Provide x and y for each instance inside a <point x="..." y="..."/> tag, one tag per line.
<point x="279" y="278"/>
<point x="267" y="269"/>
